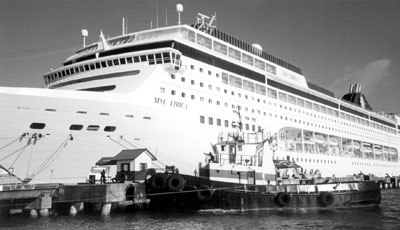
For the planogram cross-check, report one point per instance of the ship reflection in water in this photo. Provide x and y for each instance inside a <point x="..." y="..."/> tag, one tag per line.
<point x="387" y="216"/>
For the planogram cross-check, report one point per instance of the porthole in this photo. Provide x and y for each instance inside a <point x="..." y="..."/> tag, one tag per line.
<point x="110" y="128"/>
<point x="93" y="128"/>
<point x="37" y="126"/>
<point x="76" y="127"/>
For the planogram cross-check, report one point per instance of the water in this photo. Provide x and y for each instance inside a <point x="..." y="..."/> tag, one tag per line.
<point x="387" y="216"/>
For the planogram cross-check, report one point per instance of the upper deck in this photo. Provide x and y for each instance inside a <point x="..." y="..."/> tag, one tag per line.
<point x="221" y="50"/>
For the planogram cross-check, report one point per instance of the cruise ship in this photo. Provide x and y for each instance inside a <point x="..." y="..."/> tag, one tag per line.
<point x="174" y="90"/>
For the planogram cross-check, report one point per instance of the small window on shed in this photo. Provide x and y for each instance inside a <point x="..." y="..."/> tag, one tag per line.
<point x="37" y="126"/>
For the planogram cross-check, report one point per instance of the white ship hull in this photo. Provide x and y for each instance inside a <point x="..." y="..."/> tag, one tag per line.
<point x="176" y="113"/>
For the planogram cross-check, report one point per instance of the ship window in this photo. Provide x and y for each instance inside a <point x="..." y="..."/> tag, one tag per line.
<point x="63" y="73"/>
<point x="92" y="67"/>
<point x="192" y="67"/>
<point x="219" y="122"/>
<point x="50" y="110"/>
<point x="93" y="128"/>
<point x="77" y="69"/>
<point x="193" y="97"/>
<point x="37" y="126"/>
<point x="158" y="58"/>
<point x="192" y="82"/>
<point x="129" y="60"/>
<point x="173" y="92"/>
<point x="183" y="94"/>
<point x="103" y="64"/>
<point x="129" y="115"/>
<point x="71" y="71"/>
<point x="76" y="127"/>
<point x="162" y="90"/>
<point x="87" y="68"/>
<point x="122" y="61"/>
<point x="226" y="123"/>
<point x="202" y="119"/>
<point x="201" y="84"/>
<point x="210" y="120"/>
<point x="98" y="65"/>
<point x="110" y="128"/>
<point x="110" y="63"/>
<point x="115" y="61"/>
<point x="143" y="58"/>
<point x="81" y="68"/>
<point x="104" y="114"/>
<point x="167" y="58"/>
<point x="81" y="112"/>
<point x="147" y="118"/>
<point x="136" y="59"/>
<point x="151" y="59"/>
<point x="272" y="93"/>
<point x="282" y="96"/>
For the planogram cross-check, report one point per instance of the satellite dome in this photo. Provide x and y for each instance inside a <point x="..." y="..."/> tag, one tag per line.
<point x="257" y="47"/>
<point x="179" y="7"/>
<point x="84" y="33"/>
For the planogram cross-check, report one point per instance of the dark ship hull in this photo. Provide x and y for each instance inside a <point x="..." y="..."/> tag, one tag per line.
<point x="188" y="193"/>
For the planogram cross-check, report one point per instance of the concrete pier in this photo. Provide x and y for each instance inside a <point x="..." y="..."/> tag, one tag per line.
<point x="42" y="200"/>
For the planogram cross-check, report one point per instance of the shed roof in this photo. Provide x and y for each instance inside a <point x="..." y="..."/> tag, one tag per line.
<point x="105" y="161"/>
<point x="126" y="154"/>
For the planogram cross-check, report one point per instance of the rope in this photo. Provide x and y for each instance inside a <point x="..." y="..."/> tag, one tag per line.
<point x="29" y="162"/>
<point x="18" y="157"/>
<point x="49" y="160"/>
<point x="9" y="143"/>
<point x="14" y="152"/>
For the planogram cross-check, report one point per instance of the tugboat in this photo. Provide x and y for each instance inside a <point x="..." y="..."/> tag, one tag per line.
<point x="241" y="174"/>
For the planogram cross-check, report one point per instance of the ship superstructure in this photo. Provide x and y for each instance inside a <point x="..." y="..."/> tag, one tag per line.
<point x="172" y="90"/>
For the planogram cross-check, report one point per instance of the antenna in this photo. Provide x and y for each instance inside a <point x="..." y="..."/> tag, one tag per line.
<point x="179" y="9"/>
<point x="157" y="12"/>
<point x="84" y="34"/>
<point x="166" y="16"/>
<point x="123" y="25"/>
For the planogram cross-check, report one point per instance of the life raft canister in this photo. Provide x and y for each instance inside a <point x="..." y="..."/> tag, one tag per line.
<point x="175" y="183"/>
<point x="283" y="198"/>
<point x="204" y="193"/>
<point x="326" y="198"/>
<point x="158" y="182"/>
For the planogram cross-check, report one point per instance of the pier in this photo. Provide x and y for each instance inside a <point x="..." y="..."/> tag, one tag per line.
<point x="46" y="199"/>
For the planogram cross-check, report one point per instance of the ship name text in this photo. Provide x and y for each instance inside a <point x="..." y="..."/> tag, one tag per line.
<point x="172" y="103"/>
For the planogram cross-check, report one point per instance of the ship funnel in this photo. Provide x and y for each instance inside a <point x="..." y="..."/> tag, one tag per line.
<point x="179" y="9"/>
<point x="84" y="34"/>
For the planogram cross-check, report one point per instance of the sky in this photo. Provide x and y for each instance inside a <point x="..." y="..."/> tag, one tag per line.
<point x="335" y="42"/>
